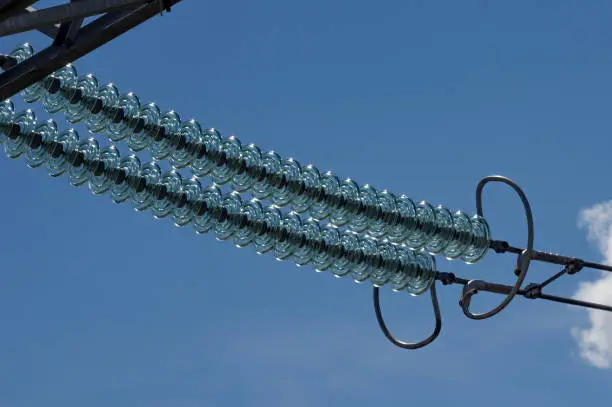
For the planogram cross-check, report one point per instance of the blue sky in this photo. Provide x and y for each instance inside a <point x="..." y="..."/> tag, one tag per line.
<point x="104" y="306"/>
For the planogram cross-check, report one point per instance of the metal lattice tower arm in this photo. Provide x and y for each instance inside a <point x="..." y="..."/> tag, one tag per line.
<point x="71" y="41"/>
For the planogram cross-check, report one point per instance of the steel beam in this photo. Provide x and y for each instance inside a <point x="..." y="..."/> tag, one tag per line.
<point x="69" y="30"/>
<point x="63" y="13"/>
<point x="90" y="37"/>
<point x="12" y="7"/>
<point x="50" y="30"/>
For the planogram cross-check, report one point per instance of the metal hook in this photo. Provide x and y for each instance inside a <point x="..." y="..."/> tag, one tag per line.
<point x="409" y="345"/>
<point x="523" y="261"/>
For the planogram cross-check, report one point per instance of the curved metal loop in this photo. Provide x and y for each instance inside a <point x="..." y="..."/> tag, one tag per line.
<point x="409" y="345"/>
<point x="522" y="263"/>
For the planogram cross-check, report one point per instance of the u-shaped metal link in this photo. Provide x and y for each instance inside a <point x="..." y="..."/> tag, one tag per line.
<point x="523" y="261"/>
<point x="409" y="345"/>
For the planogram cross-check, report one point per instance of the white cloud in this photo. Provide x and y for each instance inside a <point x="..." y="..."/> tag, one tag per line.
<point x="595" y="342"/>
